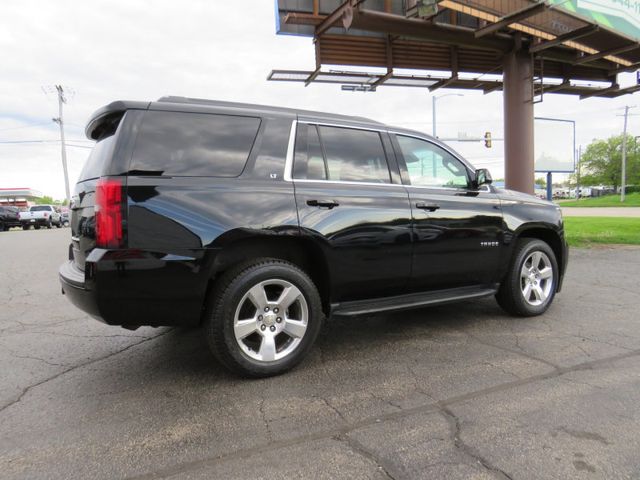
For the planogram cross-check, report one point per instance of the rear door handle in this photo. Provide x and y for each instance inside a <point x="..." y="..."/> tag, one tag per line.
<point x="323" y="203"/>
<point x="431" y="207"/>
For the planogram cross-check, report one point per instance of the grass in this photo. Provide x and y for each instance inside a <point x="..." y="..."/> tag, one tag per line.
<point x="631" y="200"/>
<point x="586" y="231"/>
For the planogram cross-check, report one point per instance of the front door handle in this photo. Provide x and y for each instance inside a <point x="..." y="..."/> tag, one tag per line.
<point x="323" y="203"/>
<point x="431" y="207"/>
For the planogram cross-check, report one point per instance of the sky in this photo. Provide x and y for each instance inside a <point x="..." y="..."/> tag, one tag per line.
<point x="102" y="51"/>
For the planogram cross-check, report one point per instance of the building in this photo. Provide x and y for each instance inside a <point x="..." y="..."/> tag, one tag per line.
<point x="20" y="197"/>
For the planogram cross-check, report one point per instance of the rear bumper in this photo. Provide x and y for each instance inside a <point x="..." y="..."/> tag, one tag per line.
<point x="10" y="223"/>
<point x="132" y="288"/>
<point x="35" y="221"/>
<point x="74" y="287"/>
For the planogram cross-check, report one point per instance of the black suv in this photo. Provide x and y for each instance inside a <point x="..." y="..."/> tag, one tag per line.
<point x="258" y="222"/>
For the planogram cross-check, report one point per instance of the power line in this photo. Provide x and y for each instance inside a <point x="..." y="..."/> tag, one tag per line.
<point x="45" y="141"/>
<point x="28" y="141"/>
<point x="25" y="126"/>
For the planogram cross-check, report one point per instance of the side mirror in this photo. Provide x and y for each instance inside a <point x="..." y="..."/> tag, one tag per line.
<point x="483" y="177"/>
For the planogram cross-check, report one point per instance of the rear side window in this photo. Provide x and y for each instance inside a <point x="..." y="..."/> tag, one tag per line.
<point x="98" y="158"/>
<point x="193" y="144"/>
<point x="341" y="154"/>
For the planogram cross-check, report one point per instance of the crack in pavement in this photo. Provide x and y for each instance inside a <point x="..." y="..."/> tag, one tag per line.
<point x="80" y="365"/>
<point x="520" y="351"/>
<point x="266" y="422"/>
<point x="467" y="450"/>
<point x="332" y="407"/>
<point x="369" y="421"/>
<point x="29" y="357"/>
<point x="361" y="450"/>
<point x="89" y="336"/>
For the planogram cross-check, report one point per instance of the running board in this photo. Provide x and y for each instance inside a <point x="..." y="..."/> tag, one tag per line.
<point x="413" y="300"/>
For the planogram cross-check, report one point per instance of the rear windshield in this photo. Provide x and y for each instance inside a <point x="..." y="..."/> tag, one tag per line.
<point x="193" y="144"/>
<point x="41" y="208"/>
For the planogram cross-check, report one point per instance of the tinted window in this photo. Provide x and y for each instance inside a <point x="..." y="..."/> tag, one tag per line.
<point x="193" y="144"/>
<point x="354" y="155"/>
<point x="430" y="165"/>
<point x="309" y="161"/>
<point x="98" y="158"/>
<point x="42" y="208"/>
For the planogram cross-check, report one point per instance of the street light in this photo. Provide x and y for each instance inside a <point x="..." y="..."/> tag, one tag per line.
<point x="433" y="109"/>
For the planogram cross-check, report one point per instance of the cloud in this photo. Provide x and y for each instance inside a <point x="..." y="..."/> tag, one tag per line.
<point x="108" y="50"/>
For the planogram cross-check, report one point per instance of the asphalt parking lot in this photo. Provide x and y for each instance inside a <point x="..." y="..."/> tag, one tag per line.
<point x="459" y="391"/>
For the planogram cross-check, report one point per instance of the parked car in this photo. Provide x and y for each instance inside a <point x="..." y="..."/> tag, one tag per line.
<point x="9" y="217"/>
<point x="65" y="219"/>
<point x="40" y="216"/>
<point x="258" y="222"/>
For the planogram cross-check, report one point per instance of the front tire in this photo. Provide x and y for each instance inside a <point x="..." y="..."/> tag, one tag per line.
<point x="263" y="317"/>
<point x="530" y="285"/>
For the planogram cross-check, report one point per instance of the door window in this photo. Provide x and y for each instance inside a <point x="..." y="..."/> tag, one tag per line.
<point x="429" y="165"/>
<point x="340" y="154"/>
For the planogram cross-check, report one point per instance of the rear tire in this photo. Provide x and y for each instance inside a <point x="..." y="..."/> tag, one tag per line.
<point x="37" y="227"/>
<point x="530" y="284"/>
<point x="26" y="227"/>
<point x="263" y="317"/>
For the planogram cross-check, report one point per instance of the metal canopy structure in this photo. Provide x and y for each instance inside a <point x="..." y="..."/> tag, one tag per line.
<point x="459" y="36"/>
<point x="526" y="48"/>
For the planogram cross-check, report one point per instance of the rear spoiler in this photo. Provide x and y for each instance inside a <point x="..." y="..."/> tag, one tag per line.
<point x="108" y="117"/>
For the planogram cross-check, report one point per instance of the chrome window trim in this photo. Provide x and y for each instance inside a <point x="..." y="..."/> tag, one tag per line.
<point x="288" y="162"/>
<point x="344" y="182"/>
<point x="342" y="125"/>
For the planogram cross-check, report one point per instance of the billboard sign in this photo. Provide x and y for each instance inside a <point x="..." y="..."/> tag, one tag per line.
<point x="555" y="145"/>
<point x="622" y="16"/>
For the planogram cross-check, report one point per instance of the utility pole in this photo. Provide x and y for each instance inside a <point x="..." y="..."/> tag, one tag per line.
<point x="433" y="116"/>
<point x="62" y="100"/>
<point x="433" y="109"/>
<point x="579" y="155"/>
<point x="623" y="182"/>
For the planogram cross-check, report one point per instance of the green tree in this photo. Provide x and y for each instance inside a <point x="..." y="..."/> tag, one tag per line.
<point x="48" y="200"/>
<point x="601" y="163"/>
<point x="45" y="200"/>
<point x="541" y="182"/>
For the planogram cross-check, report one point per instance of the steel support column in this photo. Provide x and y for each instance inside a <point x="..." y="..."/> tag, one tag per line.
<point x="518" y="122"/>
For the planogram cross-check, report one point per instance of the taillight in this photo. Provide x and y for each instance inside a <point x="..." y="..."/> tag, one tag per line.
<point x="108" y="208"/>
<point x="45" y="214"/>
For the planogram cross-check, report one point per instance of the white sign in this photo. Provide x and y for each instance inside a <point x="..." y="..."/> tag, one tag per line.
<point x="625" y="9"/>
<point x="554" y="146"/>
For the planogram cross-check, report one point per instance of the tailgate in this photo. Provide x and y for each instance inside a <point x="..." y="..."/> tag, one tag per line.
<point x="82" y="222"/>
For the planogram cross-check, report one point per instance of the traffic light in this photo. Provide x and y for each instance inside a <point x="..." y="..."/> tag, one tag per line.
<point x="487" y="139"/>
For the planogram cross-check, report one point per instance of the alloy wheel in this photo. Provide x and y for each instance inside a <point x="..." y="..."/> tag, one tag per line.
<point x="536" y="278"/>
<point x="271" y="320"/>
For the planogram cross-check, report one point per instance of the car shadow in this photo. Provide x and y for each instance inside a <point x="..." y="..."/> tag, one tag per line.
<point x="183" y="352"/>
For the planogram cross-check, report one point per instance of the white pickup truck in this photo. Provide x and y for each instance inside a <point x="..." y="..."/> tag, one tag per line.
<point x="40" y="216"/>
